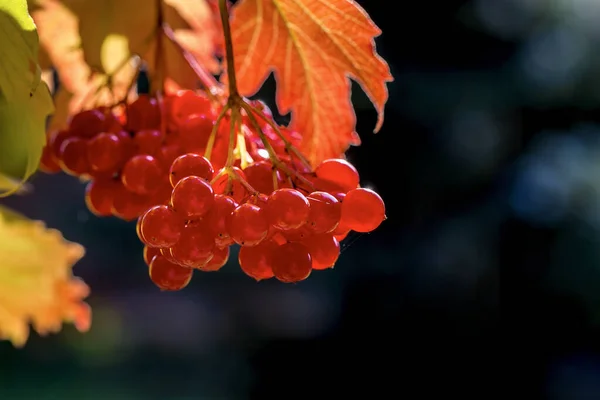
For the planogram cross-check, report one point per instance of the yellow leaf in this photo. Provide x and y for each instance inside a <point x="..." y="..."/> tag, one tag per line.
<point x="36" y="281"/>
<point x="25" y="100"/>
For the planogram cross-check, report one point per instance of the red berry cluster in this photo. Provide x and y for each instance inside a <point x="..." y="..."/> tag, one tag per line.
<point x="149" y="163"/>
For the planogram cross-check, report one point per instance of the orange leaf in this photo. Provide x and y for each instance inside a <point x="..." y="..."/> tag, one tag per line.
<point x="86" y="41"/>
<point x="313" y="46"/>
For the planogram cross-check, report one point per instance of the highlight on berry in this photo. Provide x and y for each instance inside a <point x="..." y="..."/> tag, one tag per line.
<point x="199" y="181"/>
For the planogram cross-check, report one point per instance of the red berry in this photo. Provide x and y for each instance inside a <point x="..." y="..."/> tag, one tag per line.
<point x="167" y="275"/>
<point x="256" y="261"/>
<point x="325" y="212"/>
<point x="291" y="262"/>
<point x="260" y="176"/>
<point x="99" y="196"/>
<point x="195" y="132"/>
<point x="324" y="250"/>
<point x="340" y="172"/>
<point x="192" y="197"/>
<point x="141" y="174"/>
<point x="190" y="164"/>
<point x="287" y="209"/>
<point x="216" y="219"/>
<point x="148" y="141"/>
<point x="149" y="253"/>
<point x="247" y="225"/>
<point x="105" y="152"/>
<point x="363" y="210"/>
<point x="160" y="226"/>
<point x="220" y="258"/>
<point x="72" y="156"/>
<point x="143" y="113"/>
<point x="195" y="247"/>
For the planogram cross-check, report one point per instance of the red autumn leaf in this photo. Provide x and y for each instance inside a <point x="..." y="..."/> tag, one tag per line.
<point x="87" y="41"/>
<point x="313" y="46"/>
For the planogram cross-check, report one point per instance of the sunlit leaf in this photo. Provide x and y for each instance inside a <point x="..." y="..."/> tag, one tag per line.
<point x="313" y="47"/>
<point x="25" y="100"/>
<point x="36" y="282"/>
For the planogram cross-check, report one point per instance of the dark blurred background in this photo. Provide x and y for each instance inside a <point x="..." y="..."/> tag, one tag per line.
<point x="489" y="162"/>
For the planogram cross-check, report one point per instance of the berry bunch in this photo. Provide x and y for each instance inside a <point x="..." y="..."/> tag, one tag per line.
<point x="199" y="181"/>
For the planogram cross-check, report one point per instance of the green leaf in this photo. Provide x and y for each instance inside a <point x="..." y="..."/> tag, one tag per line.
<point x="25" y="101"/>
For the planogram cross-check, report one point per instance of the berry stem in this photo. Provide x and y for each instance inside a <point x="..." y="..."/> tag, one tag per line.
<point x="223" y="10"/>
<point x="213" y="134"/>
<point x="233" y="122"/>
<point x="272" y="155"/>
<point x="213" y="88"/>
<point x="288" y="145"/>
<point x="159" y="59"/>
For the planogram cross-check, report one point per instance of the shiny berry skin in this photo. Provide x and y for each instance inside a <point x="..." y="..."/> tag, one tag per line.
<point x="340" y="172"/>
<point x="291" y="262"/>
<point x="190" y="164"/>
<point x="256" y="261"/>
<point x="167" y="275"/>
<point x="325" y="212"/>
<point x="247" y="225"/>
<point x="160" y="226"/>
<point x="105" y="152"/>
<point x="287" y="209"/>
<point x="141" y="174"/>
<point x="363" y="210"/>
<point x="192" y="197"/>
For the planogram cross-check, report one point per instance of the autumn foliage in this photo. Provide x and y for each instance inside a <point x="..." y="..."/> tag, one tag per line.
<point x="197" y="164"/>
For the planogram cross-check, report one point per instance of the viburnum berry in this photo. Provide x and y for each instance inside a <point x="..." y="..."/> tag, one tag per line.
<point x="143" y="113"/>
<point x="141" y="173"/>
<point x="260" y="176"/>
<point x="100" y="195"/>
<point x="190" y="164"/>
<point x="291" y="262"/>
<point x="73" y="156"/>
<point x="287" y="209"/>
<point x="105" y="152"/>
<point x="167" y="275"/>
<point x="340" y="172"/>
<point x="148" y="141"/>
<point x="363" y="210"/>
<point x="216" y="219"/>
<point x="195" y="247"/>
<point x="195" y="131"/>
<point x="149" y="253"/>
<point x="324" y="250"/>
<point x="256" y="261"/>
<point x="160" y="226"/>
<point x="192" y="197"/>
<point x="247" y="225"/>
<point x="325" y="212"/>
<point x="218" y="261"/>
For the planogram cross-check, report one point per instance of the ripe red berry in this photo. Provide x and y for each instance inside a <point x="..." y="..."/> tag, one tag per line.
<point x="220" y="258"/>
<point x="216" y="219"/>
<point x="143" y="113"/>
<point x="99" y="196"/>
<point x="192" y="197"/>
<point x="141" y="174"/>
<point x="256" y="261"/>
<point x="190" y="164"/>
<point x="195" y="247"/>
<point x="148" y="141"/>
<point x="160" y="226"/>
<point x="324" y="250"/>
<point x="167" y="275"/>
<point x="287" y="209"/>
<point x="291" y="262"/>
<point x="340" y="172"/>
<point x="72" y="156"/>
<point x="195" y="132"/>
<point x="105" y="152"/>
<point x="325" y="212"/>
<point x="363" y="210"/>
<point x="247" y="225"/>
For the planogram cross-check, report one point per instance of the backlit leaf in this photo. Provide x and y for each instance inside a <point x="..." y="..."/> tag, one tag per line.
<point x="313" y="46"/>
<point x="87" y="41"/>
<point x="36" y="281"/>
<point x="25" y="100"/>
